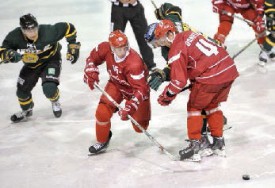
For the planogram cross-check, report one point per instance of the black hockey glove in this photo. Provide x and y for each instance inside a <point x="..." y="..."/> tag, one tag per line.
<point x="156" y="77"/>
<point x="73" y="52"/>
<point x="10" y="56"/>
<point x="167" y="9"/>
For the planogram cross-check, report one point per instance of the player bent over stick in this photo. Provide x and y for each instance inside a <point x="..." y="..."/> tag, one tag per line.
<point x="211" y="72"/>
<point x="127" y="81"/>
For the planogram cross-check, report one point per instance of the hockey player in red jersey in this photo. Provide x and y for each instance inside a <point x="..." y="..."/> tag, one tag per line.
<point x="210" y="70"/>
<point x="252" y="10"/>
<point x="127" y="81"/>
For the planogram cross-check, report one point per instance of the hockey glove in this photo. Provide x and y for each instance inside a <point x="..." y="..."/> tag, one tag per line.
<point x="166" y="97"/>
<point x="130" y="107"/>
<point x="73" y="52"/>
<point x="259" y="24"/>
<point x="156" y="77"/>
<point x="10" y="56"/>
<point x="91" y="75"/>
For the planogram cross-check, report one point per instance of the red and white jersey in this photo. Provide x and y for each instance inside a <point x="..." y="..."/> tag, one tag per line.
<point x="244" y="4"/>
<point x="129" y="75"/>
<point x="193" y="57"/>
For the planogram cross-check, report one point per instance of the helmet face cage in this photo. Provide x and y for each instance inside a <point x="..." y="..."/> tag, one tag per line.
<point x="119" y="43"/>
<point x="149" y="36"/>
<point x="163" y="28"/>
<point x="28" y="21"/>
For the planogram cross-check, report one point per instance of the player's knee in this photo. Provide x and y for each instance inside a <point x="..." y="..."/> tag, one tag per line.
<point x="103" y="113"/>
<point x="22" y="94"/>
<point x="50" y="90"/>
<point x="143" y="124"/>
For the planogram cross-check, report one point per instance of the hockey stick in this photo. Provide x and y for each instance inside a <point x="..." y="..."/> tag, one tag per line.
<point x="154" y="4"/>
<point x="238" y="17"/>
<point x="173" y="157"/>
<point x="243" y="49"/>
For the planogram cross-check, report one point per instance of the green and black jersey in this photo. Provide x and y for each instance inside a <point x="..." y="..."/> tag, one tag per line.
<point x="46" y="45"/>
<point x="269" y="43"/>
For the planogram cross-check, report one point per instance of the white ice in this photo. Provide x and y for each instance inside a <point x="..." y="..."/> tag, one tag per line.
<point x="49" y="152"/>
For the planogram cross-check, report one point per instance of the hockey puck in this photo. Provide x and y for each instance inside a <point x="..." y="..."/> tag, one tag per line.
<point x="246" y="177"/>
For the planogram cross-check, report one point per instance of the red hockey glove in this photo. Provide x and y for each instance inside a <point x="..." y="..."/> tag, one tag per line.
<point x="220" y="37"/>
<point x="130" y="107"/>
<point x="91" y="75"/>
<point x="218" y="6"/>
<point x="259" y="24"/>
<point x="166" y="97"/>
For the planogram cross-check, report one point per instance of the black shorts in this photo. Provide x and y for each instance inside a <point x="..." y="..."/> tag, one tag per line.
<point x="48" y="72"/>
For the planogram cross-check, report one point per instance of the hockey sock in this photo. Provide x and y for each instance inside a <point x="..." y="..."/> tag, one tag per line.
<point x="215" y="122"/>
<point x="194" y="125"/>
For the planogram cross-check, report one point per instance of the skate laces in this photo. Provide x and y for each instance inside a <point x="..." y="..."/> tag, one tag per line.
<point x="98" y="145"/>
<point x="56" y="106"/>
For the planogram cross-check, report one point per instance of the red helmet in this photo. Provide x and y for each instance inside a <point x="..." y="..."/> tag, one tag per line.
<point x="118" y="39"/>
<point x="163" y="27"/>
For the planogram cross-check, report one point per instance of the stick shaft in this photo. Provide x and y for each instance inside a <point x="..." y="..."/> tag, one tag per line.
<point x="137" y="124"/>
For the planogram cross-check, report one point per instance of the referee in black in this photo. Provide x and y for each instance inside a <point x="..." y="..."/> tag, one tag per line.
<point x="133" y="11"/>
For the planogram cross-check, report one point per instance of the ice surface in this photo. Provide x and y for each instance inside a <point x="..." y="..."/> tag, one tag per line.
<point x="49" y="152"/>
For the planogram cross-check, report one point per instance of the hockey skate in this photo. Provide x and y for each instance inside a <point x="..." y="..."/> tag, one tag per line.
<point x="100" y="147"/>
<point x="22" y="116"/>
<point x="57" y="111"/>
<point x="191" y="153"/>
<point x="205" y="149"/>
<point x="218" y="146"/>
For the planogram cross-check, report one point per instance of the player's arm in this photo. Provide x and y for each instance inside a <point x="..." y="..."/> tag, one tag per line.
<point x="8" y="51"/>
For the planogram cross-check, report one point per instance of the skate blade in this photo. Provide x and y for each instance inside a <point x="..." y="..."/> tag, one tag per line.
<point x="194" y="158"/>
<point x="261" y="68"/>
<point x="206" y="152"/>
<point x="220" y="153"/>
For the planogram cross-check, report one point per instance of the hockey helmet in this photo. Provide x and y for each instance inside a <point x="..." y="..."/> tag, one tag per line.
<point x="118" y="39"/>
<point x="150" y="32"/>
<point x="28" y="21"/>
<point x="163" y="27"/>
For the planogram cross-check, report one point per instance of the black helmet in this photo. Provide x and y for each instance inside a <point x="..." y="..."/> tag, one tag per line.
<point x="28" y="21"/>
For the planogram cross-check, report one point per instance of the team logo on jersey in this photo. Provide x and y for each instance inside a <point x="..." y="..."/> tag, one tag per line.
<point x="137" y="77"/>
<point x="31" y="48"/>
<point x="115" y="69"/>
<point x="20" y="81"/>
<point x="51" y="71"/>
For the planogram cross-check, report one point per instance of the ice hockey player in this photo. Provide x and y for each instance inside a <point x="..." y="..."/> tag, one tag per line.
<point x="252" y="10"/>
<point x="158" y="76"/>
<point x="210" y="70"/>
<point x="268" y="51"/>
<point x="127" y="82"/>
<point x="37" y="46"/>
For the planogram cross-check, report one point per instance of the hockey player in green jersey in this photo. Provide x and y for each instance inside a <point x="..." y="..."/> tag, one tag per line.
<point x="268" y="50"/>
<point x="38" y="48"/>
